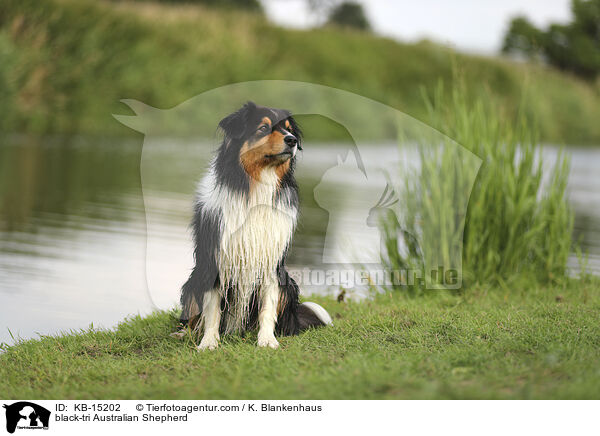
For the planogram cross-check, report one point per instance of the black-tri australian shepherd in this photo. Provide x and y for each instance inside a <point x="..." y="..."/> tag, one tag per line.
<point x="245" y="214"/>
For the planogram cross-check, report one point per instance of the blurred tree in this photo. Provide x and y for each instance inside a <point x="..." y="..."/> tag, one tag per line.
<point x="523" y="37"/>
<point x="322" y="7"/>
<point x="573" y="47"/>
<point x="340" y="13"/>
<point x="349" y="14"/>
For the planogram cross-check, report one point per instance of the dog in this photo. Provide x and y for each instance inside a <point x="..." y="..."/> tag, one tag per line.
<point x="245" y="214"/>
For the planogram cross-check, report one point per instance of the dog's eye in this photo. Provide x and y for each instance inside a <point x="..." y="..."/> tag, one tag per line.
<point x="263" y="129"/>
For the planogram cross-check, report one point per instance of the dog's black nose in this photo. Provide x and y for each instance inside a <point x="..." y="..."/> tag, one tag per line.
<point x="290" y="141"/>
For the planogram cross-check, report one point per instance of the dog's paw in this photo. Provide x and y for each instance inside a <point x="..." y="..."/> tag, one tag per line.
<point x="267" y="341"/>
<point x="208" y="343"/>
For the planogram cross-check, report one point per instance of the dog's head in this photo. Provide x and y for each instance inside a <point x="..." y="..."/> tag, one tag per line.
<point x="260" y="138"/>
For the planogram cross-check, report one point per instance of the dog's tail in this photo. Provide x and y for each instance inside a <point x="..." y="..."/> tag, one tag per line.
<point x="312" y="315"/>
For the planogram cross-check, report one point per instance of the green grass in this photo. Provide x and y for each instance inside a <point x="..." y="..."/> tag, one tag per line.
<point x="488" y="343"/>
<point x="65" y="65"/>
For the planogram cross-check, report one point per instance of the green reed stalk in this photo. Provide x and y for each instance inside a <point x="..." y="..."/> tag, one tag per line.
<point x="518" y="223"/>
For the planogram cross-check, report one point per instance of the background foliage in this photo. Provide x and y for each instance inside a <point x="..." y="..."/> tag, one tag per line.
<point x="573" y="47"/>
<point x="519" y="222"/>
<point x="66" y="64"/>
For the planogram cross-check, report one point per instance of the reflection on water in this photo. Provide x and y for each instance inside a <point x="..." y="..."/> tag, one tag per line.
<point x="73" y="226"/>
<point x="72" y="235"/>
<point x="584" y="194"/>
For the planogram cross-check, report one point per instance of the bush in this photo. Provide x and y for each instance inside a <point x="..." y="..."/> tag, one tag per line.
<point x="349" y="14"/>
<point x="574" y="47"/>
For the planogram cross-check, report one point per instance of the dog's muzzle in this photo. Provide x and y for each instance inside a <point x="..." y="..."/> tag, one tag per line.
<point x="291" y="144"/>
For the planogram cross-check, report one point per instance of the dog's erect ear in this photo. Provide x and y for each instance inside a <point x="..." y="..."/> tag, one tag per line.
<point x="234" y="125"/>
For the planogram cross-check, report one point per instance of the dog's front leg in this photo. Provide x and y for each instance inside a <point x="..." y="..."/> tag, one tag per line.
<point x="267" y="316"/>
<point x="211" y="316"/>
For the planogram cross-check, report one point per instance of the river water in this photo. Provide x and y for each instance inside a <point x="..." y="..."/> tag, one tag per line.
<point x="74" y="225"/>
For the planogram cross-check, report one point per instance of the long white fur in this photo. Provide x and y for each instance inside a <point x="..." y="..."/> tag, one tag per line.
<point x="321" y="313"/>
<point x="255" y="231"/>
<point x="211" y="309"/>
<point x="267" y="315"/>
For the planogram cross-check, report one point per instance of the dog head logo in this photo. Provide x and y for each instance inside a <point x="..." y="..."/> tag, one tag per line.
<point x="26" y="415"/>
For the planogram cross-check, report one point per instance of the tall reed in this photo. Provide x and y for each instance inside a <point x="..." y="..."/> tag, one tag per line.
<point x="518" y="223"/>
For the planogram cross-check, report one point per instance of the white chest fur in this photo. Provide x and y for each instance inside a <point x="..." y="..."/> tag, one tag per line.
<point x="255" y="231"/>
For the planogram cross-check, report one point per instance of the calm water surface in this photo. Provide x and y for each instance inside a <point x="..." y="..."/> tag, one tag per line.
<point x="73" y="226"/>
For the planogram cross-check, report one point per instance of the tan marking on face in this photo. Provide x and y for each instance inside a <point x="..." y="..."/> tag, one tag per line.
<point x="288" y="125"/>
<point x="253" y="155"/>
<point x="266" y="120"/>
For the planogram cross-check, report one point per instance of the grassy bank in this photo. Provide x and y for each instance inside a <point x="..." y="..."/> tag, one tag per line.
<point x="65" y="64"/>
<point x="526" y="343"/>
